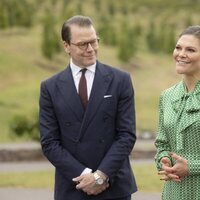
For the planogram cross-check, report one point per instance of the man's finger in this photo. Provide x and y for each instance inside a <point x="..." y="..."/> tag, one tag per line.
<point x="77" y="179"/>
<point x="79" y="186"/>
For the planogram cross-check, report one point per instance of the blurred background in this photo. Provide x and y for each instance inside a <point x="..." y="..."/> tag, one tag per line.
<point x="135" y="35"/>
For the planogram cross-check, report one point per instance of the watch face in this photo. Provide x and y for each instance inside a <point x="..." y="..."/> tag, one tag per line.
<point x="99" y="181"/>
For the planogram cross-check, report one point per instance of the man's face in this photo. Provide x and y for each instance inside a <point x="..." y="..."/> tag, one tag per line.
<point x="83" y="46"/>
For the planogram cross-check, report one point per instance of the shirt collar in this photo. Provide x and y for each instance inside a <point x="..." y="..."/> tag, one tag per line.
<point x="76" y="69"/>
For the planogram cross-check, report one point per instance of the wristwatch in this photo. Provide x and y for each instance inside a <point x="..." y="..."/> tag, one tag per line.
<point x="98" y="179"/>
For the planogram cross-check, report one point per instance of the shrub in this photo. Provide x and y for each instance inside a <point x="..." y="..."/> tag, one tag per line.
<point x="21" y="125"/>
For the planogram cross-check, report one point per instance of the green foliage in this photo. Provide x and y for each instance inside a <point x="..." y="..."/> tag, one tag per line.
<point x="16" y="13"/>
<point x="75" y="7"/>
<point x="188" y="20"/>
<point x="21" y="125"/>
<point x="80" y="8"/>
<point x="97" y="5"/>
<point x="170" y="41"/>
<point x="107" y="32"/>
<point x="127" y="44"/>
<point x="23" y="66"/>
<point x="3" y="16"/>
<point x="151" y="38"/>
<point x="108" y="26"/>
<point x="161" y="38"/>
<point x="111" y="8"/>
<point x="50" y="40"/>
<point x="124" y="49"/>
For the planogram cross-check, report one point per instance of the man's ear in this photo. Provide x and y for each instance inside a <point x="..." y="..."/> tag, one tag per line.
<point x="66" y="47"/>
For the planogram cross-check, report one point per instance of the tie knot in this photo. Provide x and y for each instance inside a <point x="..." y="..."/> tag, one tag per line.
<point x="83" y="71"/>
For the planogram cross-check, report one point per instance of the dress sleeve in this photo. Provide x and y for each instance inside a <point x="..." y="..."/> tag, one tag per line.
<point x="161" y="142"/>
<point x="193" y="167"/>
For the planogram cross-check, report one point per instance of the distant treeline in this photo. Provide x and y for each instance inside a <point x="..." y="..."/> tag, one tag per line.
<point x="16" y="13"/>
<point x="129" y="26"/>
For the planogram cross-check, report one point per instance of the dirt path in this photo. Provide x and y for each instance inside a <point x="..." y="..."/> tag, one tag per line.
<point x="46" y="194"/>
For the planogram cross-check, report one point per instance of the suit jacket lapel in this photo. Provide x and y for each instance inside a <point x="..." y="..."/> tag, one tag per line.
<point x="68" y="90"/>
<point x="100" y="85"/>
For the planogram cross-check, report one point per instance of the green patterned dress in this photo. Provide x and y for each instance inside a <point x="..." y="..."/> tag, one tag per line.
<point x="179" y="132"/>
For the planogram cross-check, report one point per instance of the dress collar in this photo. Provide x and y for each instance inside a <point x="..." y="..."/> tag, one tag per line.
<point x="188" y="102"/>
<point x="193" y="98"/>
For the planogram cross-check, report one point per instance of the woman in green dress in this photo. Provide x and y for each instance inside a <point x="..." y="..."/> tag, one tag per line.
<point x="178" y="138"/>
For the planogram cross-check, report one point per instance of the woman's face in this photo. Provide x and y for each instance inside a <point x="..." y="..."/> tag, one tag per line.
<point x="187" y="55"/>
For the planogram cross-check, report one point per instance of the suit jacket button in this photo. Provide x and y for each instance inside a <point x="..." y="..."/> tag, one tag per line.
<point x="101" y="140"/>
<point x="68" y="124"/>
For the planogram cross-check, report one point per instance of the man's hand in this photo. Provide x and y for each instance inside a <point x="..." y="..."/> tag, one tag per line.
<point x="87" y="183"/>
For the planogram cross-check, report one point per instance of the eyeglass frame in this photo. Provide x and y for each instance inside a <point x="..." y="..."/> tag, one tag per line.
<point x="94" y="42"/>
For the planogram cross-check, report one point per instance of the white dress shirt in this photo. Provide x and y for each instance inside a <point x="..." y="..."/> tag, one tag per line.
<point x="89" y="75"/>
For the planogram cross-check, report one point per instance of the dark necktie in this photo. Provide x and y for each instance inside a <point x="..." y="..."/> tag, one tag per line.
<point x="82" y="89"/>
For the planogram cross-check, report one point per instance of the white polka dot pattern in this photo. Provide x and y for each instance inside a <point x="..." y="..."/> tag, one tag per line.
<point x="179" y="132"/>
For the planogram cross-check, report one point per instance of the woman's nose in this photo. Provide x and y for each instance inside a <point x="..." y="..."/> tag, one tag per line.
<point x="182" y="53"/>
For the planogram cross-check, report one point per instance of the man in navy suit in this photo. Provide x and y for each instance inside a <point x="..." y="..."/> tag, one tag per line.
<point x="88" y="141"/>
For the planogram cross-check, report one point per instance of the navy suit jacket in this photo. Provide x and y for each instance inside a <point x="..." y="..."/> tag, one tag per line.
<point x="101" y="138"/>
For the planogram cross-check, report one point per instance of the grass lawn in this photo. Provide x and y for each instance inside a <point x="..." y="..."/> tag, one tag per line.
<point x="41" y="179"/>
<point x="146" y="177"/>
<point x="22" y="68"/>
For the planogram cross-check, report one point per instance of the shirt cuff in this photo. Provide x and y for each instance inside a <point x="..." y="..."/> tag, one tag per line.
<point x="86" y="171"/>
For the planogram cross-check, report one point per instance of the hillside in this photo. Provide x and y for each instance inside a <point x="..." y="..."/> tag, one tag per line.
<point x="21" y="72"/>
<point x="23" y="67"/>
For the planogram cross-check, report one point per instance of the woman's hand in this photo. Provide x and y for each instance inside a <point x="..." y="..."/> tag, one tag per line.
<point x="176" y="172"/>
<point x="165" y="175"/>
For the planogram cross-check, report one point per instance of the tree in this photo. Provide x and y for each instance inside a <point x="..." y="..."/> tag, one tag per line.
<point x="50" y="40"/>
<point x="170" y="40"/>
<point x="152" y="38"/>
<point x="98" y="6"/>
<point x="23" y="125"/>
<point x="127" y="46"/>
<point x="107" y="32"/>
<point x="16" y="13"/>
<point x="3" y="15"/>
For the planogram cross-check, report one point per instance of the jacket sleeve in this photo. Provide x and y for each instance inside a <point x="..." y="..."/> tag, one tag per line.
<point x="125" y="135"/>
<point x="51" y="141"/>
<point x="161" y="142"/>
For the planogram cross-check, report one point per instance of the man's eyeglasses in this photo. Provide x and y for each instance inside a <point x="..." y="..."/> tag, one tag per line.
<point x="84" y="45"/>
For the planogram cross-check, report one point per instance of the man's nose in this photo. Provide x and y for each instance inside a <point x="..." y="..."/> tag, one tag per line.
<point x="89" y="47"/>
